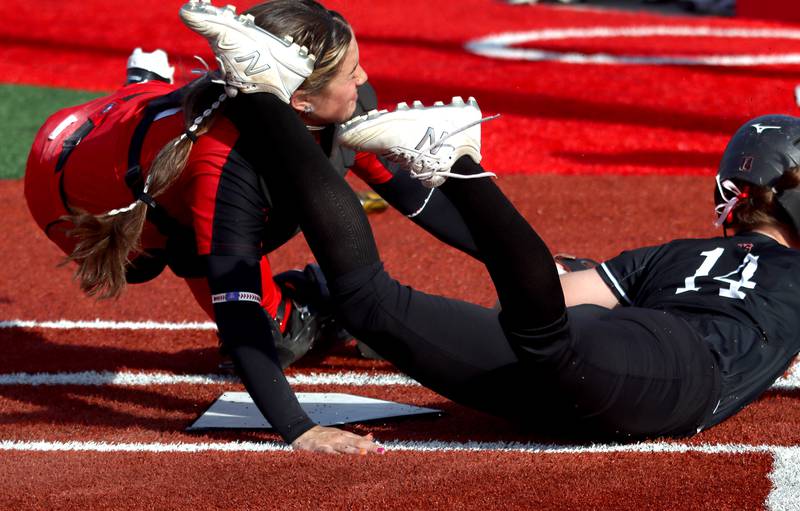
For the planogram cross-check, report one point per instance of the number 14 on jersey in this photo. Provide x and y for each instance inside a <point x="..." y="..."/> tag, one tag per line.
<point x="746" y="270"/>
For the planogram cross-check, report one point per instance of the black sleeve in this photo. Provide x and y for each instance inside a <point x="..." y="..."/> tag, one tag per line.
<point x="430" y="209"/>
<point x="624" y="273"/>
<point x="249" y="334"/>
<point x="277" y="146"/>
<point x="234" y="278"/>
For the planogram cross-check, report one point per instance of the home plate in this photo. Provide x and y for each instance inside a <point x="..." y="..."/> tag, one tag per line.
<point x="235" y="410"/>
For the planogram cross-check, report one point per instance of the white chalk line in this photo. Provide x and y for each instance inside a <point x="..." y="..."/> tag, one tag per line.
<point x="99" y="324"/>
<point x="124" y="378"/>
<point x="402" y="445"/>
<point x="135" y="379"/>
<point x="785" y="479"/>
<point x="130" y="378"/>
<point x="501" y="45"/>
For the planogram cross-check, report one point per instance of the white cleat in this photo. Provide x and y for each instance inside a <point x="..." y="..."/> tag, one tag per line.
<point x="252" y="59"/>
<point x="426" y="141"/>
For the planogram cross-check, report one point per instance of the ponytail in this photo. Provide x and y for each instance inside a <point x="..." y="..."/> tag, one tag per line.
<point x="760" y="205"/>
<point x="107" y="242"/>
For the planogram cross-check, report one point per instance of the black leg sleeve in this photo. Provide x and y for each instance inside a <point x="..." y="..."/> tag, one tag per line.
<point x="428" y="208"/>
<point x="518" y="261"/>
<point x="330" y="214"/>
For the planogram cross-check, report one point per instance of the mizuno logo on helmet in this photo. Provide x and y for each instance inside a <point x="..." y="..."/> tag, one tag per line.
<point x="760" y="128"/>
<point x="251" y="68"/>
<point x="747" y="164"/>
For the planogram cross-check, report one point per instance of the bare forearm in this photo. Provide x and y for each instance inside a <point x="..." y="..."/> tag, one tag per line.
<point x="586" y="287"/>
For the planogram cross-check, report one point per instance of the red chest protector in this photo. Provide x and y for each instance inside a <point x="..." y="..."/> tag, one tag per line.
<point x="82" y="155"/>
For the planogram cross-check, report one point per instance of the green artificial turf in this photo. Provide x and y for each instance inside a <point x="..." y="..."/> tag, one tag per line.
<point x="23" y="109"/>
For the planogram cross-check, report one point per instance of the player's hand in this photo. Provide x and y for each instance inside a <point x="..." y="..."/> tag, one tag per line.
<point x="336" y="441"/>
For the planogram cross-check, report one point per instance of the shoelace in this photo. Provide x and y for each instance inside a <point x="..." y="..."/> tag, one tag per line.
<point x="437" y="145"/>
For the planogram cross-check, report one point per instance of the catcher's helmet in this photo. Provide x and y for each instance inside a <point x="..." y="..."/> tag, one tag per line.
<point x="759" y="153"/>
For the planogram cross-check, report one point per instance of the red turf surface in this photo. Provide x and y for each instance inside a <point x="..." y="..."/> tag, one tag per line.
<point x="608" y="207"/>
<point x="597" y="121"/>
<point x="400" y="481"/>
<point x="556" y="117"/>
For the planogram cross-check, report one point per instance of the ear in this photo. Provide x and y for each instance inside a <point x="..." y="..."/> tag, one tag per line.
<point x="300" y="102"/>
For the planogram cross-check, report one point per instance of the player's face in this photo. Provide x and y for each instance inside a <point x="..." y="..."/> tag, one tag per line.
<point x="337" y="101"/>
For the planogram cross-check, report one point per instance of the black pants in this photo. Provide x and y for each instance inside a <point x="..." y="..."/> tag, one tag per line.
<point x="629" y="373"/>
<point x="623" y="373"/>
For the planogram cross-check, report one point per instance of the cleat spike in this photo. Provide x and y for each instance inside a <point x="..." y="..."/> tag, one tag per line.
<point x="303" y="51"/>
<point x="418" y="104"/>
<point x="402" y="105"/>
<point x="289" y="39"/>
<point x="206" y="2"/>
<point x="457" y="100"/>
<point x="438" y="103"/>
<point x="247" y="18"/>
<point x="471" y="101"/>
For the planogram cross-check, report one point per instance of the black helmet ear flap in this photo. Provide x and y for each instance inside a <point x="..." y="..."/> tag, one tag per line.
<point x="790" y="202"/>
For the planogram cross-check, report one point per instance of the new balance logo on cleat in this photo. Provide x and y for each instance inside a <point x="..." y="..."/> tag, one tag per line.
<point x="251" y="68"/>
<point x="430" y="136"/>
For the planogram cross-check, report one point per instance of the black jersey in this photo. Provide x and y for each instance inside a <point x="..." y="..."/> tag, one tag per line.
<point x="741" y="293"/>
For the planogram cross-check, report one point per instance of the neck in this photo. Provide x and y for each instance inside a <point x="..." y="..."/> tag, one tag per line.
<point x="783" y="235"/>
<point x="311" y="123"/>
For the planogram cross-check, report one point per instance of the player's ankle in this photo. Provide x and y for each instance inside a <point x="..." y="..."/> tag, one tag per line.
<point x="466" y="166"/>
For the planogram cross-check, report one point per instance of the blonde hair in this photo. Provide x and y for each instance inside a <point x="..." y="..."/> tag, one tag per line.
<point x="106" y="242"/>
<point x="325" y="33"/>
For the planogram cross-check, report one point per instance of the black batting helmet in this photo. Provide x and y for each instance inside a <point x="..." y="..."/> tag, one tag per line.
<point x="759" y="153"/>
